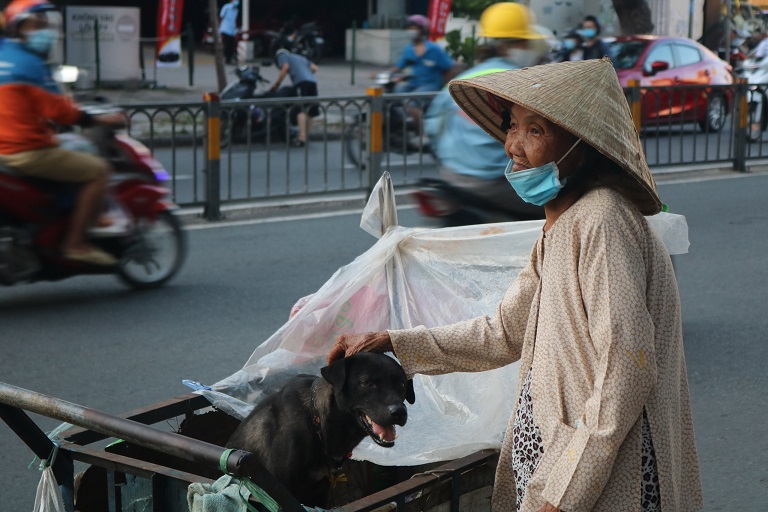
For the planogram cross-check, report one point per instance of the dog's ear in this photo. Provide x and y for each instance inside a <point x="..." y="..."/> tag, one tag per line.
<point x="336" y="374"/>
<point x="410" y="394"/>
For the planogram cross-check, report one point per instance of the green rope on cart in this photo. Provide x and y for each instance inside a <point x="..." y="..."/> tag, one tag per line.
<point x="256" y="491"/>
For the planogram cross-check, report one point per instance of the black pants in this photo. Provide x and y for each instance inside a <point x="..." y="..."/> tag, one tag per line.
<point x="229" y="47"/>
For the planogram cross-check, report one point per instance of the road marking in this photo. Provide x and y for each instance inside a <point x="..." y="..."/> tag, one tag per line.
<point x="284" y="218"/>
<point x="339" y="213"/>
<point x="698" y="179"/>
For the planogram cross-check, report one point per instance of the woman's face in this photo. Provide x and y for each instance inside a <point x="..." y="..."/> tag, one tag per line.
<point x="533" y="141"/>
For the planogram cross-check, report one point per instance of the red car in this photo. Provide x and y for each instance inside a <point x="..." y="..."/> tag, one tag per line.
<point x="674" y="62"/>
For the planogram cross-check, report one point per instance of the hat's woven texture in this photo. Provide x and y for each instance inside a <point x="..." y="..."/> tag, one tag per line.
<point x="583" y="97"/>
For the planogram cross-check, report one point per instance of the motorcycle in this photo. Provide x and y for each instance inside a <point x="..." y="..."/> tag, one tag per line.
<point x="755" y="70"/>
<point x="401" y="133"/>
<point x="261" y="123"/>
<point x="146" y="237"/>
<point x="448" y="205"/>
<point x="307" y="41"/>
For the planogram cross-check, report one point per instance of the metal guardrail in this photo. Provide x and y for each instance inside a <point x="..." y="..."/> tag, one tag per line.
<point x="353" y="139"/>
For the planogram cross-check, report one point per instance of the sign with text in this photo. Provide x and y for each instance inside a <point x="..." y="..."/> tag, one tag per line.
<point x="438" y="16"/>
<point x="169" y="33"/>
<point x="118" y="45"/>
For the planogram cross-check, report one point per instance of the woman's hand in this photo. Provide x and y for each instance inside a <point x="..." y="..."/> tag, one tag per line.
<point x="348" y="344"/>
<point x="549" y="508"/>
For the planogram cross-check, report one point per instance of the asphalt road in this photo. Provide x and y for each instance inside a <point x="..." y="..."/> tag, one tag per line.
<point x="91" y="341"/>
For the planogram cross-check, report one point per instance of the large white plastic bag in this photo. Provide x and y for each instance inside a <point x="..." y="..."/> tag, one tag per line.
<point x="411" y="277"/>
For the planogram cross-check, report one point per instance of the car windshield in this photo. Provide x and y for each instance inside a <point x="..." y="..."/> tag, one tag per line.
<point x="626" y="53"/>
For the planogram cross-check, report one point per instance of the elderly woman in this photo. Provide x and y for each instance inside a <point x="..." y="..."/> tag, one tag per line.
<point x="603" y="417"/>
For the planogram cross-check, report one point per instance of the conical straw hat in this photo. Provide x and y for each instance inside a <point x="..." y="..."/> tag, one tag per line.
<point x="583" y="97"/>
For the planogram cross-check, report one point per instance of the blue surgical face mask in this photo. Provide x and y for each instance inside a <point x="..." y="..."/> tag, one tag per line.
<point x="587" y="33"/>
<point x="569" y="44"/>
<point x="40" y="41"/>
<point x="236" y="3"/>
<point x="538" y="185"/>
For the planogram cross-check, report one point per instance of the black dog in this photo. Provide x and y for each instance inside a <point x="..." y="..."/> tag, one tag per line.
<point x="304" y="432"/>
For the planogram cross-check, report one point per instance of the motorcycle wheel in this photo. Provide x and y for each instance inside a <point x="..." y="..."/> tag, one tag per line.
<point x="356" y="144"/>
<point x="716" y="114"/>
<point x="155" y="253"/>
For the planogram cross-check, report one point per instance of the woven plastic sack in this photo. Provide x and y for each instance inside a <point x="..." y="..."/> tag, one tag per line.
<point x="411" y="277"/>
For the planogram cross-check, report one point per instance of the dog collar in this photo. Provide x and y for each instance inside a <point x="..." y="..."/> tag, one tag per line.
<point x="334" y="463"/>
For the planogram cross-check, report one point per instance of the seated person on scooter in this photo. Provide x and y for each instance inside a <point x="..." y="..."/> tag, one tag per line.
<point x="29" y="101"/>
<point x="428" y="60"/>
<point x="302" y="72"/>
<point x="470" y="160"/>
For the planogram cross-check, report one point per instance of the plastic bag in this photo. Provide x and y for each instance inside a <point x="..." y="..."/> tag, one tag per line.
<point x="411" y="277"/>
<point x="47" y="498"/>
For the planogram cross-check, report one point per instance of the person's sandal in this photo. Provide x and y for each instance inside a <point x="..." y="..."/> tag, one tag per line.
<point x="296" y="143"/>
<point x="92" y="256"/>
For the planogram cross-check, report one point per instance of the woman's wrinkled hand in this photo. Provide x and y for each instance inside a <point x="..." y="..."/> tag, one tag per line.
<point x="549" y="508"/>
<point x="348" y="344"/>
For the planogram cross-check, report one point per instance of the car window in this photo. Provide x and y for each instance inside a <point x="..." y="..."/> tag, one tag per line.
<point x="625" y="54"/>
<point x="687" y="55"/>
<point x="660" y="52"/>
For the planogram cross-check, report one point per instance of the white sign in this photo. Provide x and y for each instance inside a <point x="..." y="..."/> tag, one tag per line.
<point x="118" y="47"/>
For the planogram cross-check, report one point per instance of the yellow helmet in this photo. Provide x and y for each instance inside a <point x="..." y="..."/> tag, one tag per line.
<point x="508" y="20"/>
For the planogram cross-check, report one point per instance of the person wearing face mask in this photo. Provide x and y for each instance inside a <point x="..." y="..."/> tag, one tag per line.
<point x="30" y="100"/>
<point x="228" y="29"/>
<point x="428" y="60"/>
<point x="594" y="47"/>
<point x="572" y="48"/>
<point x="601" y="418"/>
<point x="469" y="159"/>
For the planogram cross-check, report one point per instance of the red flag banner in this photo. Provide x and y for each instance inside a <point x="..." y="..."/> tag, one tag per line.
<point x="438" y="16"/>
<point x="168" y="52"/>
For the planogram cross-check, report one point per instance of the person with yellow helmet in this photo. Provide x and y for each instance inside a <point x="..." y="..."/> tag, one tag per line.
<point x="469" y="159"/>
<point x="30" y="100"/>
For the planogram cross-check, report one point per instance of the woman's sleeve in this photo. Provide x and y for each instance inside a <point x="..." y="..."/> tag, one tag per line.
<point x="612" y="276"/>
<point x="474" y="345"/>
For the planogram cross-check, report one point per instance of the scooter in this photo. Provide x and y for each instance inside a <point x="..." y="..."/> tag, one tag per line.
<point x="146" y="236"/>
<point x="307" y="41"/>
<point x="448" y="205"/>
<point x="275" y="122"/>
<point x="400" y="131"/>
<point x="755" y="70"/>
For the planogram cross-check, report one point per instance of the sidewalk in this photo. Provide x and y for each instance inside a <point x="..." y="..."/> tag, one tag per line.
<point x="334" y="78"/>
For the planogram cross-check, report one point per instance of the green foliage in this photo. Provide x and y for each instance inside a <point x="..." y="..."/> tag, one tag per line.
<point x="461" y="50"/>
<point x="470" y="8"/>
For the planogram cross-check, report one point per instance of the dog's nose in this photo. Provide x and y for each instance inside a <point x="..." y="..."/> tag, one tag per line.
<point x="398" y="413"/>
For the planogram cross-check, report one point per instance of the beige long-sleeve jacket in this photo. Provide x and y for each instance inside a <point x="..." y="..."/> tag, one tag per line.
<point x="596" y="315"/>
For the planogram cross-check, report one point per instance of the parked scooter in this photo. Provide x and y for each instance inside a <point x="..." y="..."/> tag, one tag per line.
<point x="400" y="131"/>
<point x="146" y="237"/>
<point x="307" y="40"/>
<point x="755" y="70"/>
<point x="448" y="205"/>
<point x="273" y="123"/>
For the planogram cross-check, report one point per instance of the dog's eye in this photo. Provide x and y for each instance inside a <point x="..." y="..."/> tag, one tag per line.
<point x="366" y="383"/>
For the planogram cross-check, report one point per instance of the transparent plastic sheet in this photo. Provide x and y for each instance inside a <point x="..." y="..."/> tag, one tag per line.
<point x="412" y="277"/>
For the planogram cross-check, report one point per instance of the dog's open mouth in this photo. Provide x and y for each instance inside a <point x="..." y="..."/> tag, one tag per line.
<point x="381" y="434"/>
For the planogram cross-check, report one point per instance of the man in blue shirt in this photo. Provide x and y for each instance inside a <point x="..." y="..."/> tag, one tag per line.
<point x="470" y="159"/>
<point x="428" y="60"/>
<point x="228" y="29"/>
<point x="302" y="72"/>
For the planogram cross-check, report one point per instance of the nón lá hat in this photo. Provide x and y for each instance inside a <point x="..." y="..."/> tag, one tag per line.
<point x="583" y="97"/>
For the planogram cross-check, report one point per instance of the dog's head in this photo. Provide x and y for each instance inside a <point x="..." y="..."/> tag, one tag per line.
<point x="373" y="387"/>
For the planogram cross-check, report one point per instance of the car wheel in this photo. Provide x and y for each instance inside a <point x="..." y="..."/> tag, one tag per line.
<point x="716" y="114"/>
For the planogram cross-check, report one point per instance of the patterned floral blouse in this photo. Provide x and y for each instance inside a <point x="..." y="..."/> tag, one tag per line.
<point x="599" y="301"/>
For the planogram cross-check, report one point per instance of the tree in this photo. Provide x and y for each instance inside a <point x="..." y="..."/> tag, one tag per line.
<point x="634" y="16"/>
